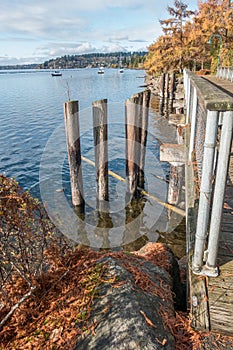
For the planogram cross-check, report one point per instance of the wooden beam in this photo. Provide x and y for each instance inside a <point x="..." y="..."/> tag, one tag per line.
<point x="172" y="153"/>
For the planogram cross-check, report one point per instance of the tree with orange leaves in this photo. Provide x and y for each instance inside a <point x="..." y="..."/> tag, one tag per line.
<point x="185" y="40"/>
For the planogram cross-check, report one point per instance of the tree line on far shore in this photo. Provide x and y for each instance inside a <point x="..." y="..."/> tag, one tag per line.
<point x="200" y="39"/>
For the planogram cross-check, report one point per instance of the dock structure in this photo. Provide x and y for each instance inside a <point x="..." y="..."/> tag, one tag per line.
<point x="209" y="201"/>
<point x="204" y="153"/>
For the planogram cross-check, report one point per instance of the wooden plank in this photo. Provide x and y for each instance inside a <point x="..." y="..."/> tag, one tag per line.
<point x="176" y="119"/>
<point x="199" y="303"/>
<point x="221" y="314"/>
<point x="175" y="184"/>
<point x="227" y="227"/>
<point x="220" y="292"/>
<point x="227" y="217"/>
<point x="172" y="153"/>
<point x="197" y="289"/>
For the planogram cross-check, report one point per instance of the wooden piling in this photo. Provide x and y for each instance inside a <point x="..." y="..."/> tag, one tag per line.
<point x="133" y="114"/>
<point x="171" y="92"/>
<point x="166" y="88"/>
<point x="162" y="85"/>
<point x="175" y="184"/>
<point x="100" y="132"/>
<point x="143" y="136"/>
<point x="71" y="115"/>
<point x="172" y="86"/>
<point x="161" y="93"/>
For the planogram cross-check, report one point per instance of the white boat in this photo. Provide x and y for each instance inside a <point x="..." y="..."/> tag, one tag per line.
<point x="56" y="73"/>
<point x="101" y="70"/>
<point x="121" y="70"/>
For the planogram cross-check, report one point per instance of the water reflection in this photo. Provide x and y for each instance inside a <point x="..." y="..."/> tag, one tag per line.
<point x="126" y="223"/>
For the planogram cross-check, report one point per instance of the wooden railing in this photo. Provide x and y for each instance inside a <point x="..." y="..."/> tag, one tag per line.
<point x="209" y="113"/>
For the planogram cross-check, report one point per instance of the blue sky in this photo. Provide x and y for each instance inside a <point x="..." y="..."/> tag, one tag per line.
<point x="33" y="31"/>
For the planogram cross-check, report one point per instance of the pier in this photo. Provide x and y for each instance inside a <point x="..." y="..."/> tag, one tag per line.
<point x="209" y="200"/>
<point x="203" y="156"/>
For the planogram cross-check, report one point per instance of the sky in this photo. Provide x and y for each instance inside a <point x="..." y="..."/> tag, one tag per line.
<point x="33" y="31"/>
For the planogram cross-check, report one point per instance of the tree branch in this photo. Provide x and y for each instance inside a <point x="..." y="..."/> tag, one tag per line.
<point x="10" y="313"/>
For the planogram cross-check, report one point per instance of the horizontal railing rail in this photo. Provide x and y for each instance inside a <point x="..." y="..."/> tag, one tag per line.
<point x="206" y="108"/>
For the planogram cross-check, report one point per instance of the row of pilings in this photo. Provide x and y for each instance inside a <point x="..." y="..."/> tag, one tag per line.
<point x="169" y="88"/>
<point x="136" y="124"/>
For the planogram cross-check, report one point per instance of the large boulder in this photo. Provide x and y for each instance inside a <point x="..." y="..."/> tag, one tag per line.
<point x="133" y="307"/>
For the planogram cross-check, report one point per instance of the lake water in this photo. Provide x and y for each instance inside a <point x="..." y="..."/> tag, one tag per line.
<point x="33" y="150"/>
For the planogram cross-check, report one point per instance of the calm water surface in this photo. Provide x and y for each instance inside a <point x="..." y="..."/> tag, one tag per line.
<point x="32" y="132"/>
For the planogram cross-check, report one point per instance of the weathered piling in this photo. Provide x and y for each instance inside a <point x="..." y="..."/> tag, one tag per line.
<point x="161" y="85"/>
<point x="143" y="136"/>
<point x="133" y="114"/>
<point x="175" y="192"/>
<point x="172" y="86"/>
<point x="100" y="133"/>
<point x="166" y="88"/>
<point x="71" y="115"/>
<point x="174" y="154"/>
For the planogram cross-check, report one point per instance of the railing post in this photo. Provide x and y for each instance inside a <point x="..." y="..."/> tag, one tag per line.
<point x="220" y="183"/>
<point x="193" y="123"/>
<point x="205" y="190"/>
<point x="187" y="86"/>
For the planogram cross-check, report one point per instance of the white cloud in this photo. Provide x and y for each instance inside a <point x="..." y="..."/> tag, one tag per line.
<point x="118" y="38"/>
<point x="113" y="48"/>
<point x="38" y="30"/>
<point x="39" y="20"/>
<point x="72" y="50"/>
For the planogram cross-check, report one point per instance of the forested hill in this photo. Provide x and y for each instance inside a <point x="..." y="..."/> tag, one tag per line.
<point x="92" y="60"/>
<point x="127" y="60"/>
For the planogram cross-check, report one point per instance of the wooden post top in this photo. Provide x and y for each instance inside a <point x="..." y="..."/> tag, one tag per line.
<point x="213" y="97"/>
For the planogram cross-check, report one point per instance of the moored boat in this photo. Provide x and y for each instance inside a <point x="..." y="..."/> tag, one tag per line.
<point x="56" y="73"/>
<point x="121" y="69"/>
<point x="101" y="70"/>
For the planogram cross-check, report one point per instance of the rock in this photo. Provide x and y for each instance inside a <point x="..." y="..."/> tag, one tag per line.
<point x="129" y="313"/>
<point x="159" y="251"/>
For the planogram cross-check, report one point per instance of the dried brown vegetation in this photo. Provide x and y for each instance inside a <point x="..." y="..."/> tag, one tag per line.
<point x="48" y="287"/>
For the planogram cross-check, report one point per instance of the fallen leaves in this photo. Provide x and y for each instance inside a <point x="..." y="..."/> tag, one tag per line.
<point x="55" y="335"/>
